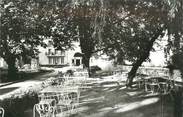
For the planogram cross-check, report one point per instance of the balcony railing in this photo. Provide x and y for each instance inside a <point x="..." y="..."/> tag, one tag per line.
<point x="55" y="54"/>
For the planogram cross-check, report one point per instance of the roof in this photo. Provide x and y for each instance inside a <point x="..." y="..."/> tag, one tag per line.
<point x="77" y="54"/>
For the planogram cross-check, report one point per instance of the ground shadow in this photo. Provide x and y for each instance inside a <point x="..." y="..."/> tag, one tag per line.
<point x="7" y="90"/>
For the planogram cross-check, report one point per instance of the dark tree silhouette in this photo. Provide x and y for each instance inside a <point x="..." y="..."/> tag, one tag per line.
<point x="131" y="31"/>
<point x="175" y="32"/>
<point x="21" y="30"/>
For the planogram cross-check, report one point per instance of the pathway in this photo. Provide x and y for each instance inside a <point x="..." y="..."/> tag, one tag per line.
<point x="6" y="88"/>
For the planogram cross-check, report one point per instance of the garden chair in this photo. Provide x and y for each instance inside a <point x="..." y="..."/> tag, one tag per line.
<point x="68" y="100"/>
<point x="1" y="112"/>
<point x="45" y="108"/>
<point x="139" y="82"/>
<point x="42" y="96"/>
<point x="47" y="83"/>
<point x="72" y="81"/>
<point x="67" y="103"/>
<point x="152" y="85"/>
<point x="64" y="103"/>
<point x="164" y="85"/>
<point x="147" y="87"/>
<point x="167" y="86"/>
<point x="52" y="96"/>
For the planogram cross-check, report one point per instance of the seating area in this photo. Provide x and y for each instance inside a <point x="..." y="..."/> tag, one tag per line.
<point x="154" y="85"/>
<point x="61" y="97"/>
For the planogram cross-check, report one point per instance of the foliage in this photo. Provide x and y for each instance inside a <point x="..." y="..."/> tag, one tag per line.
<point x="20" y="33"/>
<point x="75" y="21"/>
<point x="21" y="30"/>
<point x="23" y="99"/>
<point x="175" y="34"/>
<point x="24" y="26"/>
<point x="130" y="27"/>
<point x="177" y="61"/>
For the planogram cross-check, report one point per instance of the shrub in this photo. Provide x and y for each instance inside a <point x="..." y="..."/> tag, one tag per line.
<point x="15" y="104"/>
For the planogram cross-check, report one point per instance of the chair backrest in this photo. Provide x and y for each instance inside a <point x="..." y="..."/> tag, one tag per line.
<point x="43" y="109"/>
<point x="1" y="112"/>
<point x="42" y="96"/>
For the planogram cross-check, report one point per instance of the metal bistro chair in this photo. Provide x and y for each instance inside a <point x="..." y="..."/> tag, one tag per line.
<point x="147" y="86"/>
<point x="45" y="108"/>
<point x="1" y="112"/>
<point x="72" y="81"/>
<point x="47" y="83"/>
<point x="63" y="104"/>
<point x="68" y="101"/>
<point x="42" y="96"/>
<point x="152" y="85"/>
<point x="164" y="85"/>
<point x="140" y="82"/>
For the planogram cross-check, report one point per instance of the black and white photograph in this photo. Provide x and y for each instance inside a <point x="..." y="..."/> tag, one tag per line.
<point x="91" y="58"/>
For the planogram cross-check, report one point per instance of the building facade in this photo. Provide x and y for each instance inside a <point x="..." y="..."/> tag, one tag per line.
<point x="50" y="56"/>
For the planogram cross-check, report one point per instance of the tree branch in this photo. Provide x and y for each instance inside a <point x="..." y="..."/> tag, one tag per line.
<point x="120" y="20"/>
<point x="98" y="50"/>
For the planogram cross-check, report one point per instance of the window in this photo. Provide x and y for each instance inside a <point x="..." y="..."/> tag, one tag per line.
<point x="62" y="60"/>
<point x="50" y="60"/>
<point x="49" y="51"/>
<point x="56" y="52"/>
<point x="63" y="53"/>
<point x="55" y="61"/>
<point x="58" y="60"/>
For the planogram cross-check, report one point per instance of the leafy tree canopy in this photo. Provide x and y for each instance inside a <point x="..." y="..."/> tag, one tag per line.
<point x="22" y="30"/>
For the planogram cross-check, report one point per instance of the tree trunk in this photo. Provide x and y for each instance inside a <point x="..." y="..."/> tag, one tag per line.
<point x="86" y="63"/>
<point x="133" y="72"/>
<point x="142" y="58"/>
<point x="87" y="43"/>
<point x="12" y="70"/>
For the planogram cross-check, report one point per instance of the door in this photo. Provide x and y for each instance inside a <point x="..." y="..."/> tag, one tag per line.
<point x="78" y="62"/>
